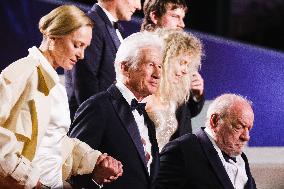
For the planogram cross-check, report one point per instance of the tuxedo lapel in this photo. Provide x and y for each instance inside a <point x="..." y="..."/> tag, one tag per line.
<point x="113" y="35"/>
<point x="96" y="9"/>
<point x="154" y="145"/>
<point x="124" y="112"/>
<point x="250" y="183"/>
<point x="214" y="159"/>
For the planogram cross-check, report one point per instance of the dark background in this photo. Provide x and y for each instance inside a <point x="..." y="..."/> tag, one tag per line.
<point x="227" y="67"/>
<point x="259" y="22"/>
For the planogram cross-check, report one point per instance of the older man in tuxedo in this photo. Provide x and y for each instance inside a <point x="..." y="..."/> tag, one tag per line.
<point x="213" y="157"/>
<point x="115" y="121"/>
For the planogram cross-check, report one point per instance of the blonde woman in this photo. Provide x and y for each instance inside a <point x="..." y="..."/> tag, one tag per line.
<point x="182" y="58"/>
<point x="34" y="113"/>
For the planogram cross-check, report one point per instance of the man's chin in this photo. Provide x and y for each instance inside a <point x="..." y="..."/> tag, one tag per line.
<point x="153" y="90"/>
<point x="125" y="18"/>
<point x="237" y="152"/>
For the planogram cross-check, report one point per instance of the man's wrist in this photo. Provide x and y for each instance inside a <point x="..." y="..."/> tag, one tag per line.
<point x="197" y="98"/>
<point x="39" y="185"/>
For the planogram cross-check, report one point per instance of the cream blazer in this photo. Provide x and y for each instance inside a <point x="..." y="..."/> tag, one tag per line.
<point x="24" y="117"/>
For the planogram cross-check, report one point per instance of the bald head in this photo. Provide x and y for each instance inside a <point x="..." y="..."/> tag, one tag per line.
<point x="230" y="118"/>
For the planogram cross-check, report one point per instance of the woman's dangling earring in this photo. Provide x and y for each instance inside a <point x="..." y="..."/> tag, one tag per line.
<point x="51" y="45"/>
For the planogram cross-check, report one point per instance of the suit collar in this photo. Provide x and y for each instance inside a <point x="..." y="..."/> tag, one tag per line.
<point x="214" y="159"/>
<point x="47" y="76"/>
<point x="125" y="114"/>
<point x="126" y="93"/>
<point x="250" y="183"/>
<point x="108" y="14"/>
<point x="96" y="9"/>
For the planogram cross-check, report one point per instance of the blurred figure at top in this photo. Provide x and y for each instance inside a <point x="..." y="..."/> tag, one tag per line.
<point x="164" y="14"/>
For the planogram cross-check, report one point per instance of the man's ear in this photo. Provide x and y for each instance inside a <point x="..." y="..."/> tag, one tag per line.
<point x="154" y="17"/>
<point x="124" y="68"/>
<point x="214" y="120"/>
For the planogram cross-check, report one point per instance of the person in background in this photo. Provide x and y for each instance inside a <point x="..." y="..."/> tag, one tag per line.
<point x="96" y="72"/>
<point x="164" y="14"/>
<point x="213" y="157"/>
<point x="34" y="113"/>
<point x="115" y="121"/>
<point x="182" y="58"/>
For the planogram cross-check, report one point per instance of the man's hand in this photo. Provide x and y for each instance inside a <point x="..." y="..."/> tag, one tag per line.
<point x="39" y="185"/>
<point x="8" y="182"/>
<point x="197" y="85"/>
<point x="107" y="169"/>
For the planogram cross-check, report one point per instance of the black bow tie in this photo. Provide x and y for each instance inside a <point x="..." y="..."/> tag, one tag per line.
<point x="227" y="157"/>
<point x="140" y="107"/>
<point x="117" y="25"/>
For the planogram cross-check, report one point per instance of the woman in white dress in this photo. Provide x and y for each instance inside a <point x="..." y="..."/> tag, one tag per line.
<point x="34" y="112"/>
<point x="182" y="58"/>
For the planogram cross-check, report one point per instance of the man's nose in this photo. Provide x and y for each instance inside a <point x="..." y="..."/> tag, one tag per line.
<point x="137" y="4"/>
<point x="245" y="135"/>
<point x="80" y="54"/>
<point x="184" y="70"/>
<point x="181" y="24"/>
<point x="157" y="72"/>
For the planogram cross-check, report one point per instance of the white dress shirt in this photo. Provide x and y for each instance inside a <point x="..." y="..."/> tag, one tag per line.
<point x="112" y="20"/>
<point x="48" y="156"/>
<point x="235" y="170"/>
<point x="143" y="130"/>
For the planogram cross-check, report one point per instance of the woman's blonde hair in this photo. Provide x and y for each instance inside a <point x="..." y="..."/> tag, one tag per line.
<point x="178" y="43"/>
<point x="63" y="20"/>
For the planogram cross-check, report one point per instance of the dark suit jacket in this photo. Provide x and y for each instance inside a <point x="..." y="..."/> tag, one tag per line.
<point x="105" y="122"/>
<point x="191" y="161"/>
<point x="95" y="73"/>
<point x="184" y="114"/>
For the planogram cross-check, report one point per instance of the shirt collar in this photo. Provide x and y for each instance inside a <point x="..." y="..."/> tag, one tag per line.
<point x="108" y="14"/>
<point x="210" y="136"/>
<point x="209" y="133"/>
<point x="126" y="93"/>
<point x="35" y="53"/>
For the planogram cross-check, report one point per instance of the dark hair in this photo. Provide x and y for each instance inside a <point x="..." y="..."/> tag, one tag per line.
<point x="160" y="8"/>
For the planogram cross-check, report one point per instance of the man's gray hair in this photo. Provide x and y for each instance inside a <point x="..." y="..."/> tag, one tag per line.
<point x="222" y="104"/>
<point x="129" y="50"/>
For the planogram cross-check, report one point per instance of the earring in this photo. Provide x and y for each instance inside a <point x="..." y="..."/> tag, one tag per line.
<point x="51" y="45"/>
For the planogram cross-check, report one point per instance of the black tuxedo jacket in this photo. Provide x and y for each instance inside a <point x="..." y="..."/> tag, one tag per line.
<point x="95" y="73"/>
<point x="184" y="113"/>
<point x="191" y="161"/>
<point x="106" y="123"/>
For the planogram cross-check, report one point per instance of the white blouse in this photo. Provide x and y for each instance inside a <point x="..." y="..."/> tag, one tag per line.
<point x="48" y="156"/>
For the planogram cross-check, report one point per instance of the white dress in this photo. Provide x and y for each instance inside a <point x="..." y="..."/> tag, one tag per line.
<point x="165" y="122"/>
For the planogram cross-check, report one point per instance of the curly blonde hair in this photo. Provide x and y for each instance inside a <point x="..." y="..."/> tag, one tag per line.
<point x="178" y="43"/>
